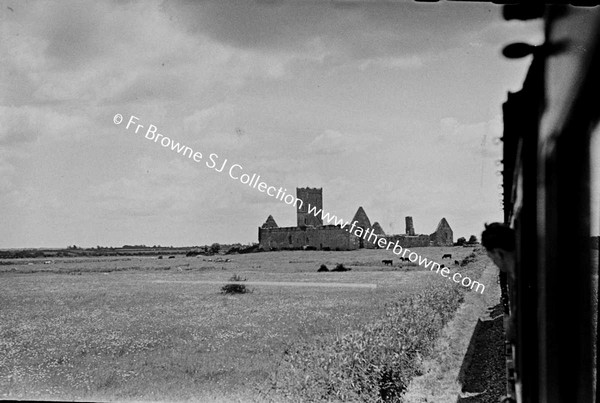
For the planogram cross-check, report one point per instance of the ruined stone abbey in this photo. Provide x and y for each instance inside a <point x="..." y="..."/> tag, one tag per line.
<point x="311" y="233"/>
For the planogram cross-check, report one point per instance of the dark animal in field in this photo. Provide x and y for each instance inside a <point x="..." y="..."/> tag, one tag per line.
<point x="323" y="268"/>
<point x="447" y="255"/>
<point x="442" y="266"/>
<point x="341" y="267"/>
<point x="171" y="257"/>
<point x="387" y="262"/>
<point x="456" y="262"/>
<point x="160" y="257"/>
<point x="404" y="259"/>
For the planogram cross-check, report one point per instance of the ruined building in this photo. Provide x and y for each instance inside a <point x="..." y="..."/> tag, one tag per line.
<point x="309" y="197"/>
<point x="410" y="228"/>
<point x="442" y="236"/>
<point x="311" y="233"/>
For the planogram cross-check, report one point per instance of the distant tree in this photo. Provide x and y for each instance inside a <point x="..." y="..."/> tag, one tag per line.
<point x="472" y="239"/>
<point x="215" y="248"/>
<point x="461" y="241"/>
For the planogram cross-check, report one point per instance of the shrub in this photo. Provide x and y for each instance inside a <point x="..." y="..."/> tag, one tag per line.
<point x="469" y="259"/>
<point x="234" y="289"/>
<point x="341" y="267"/>
<point x="235" y="277"/>
<point x="323" y="268"/>
<point x="374" y="363"/>
<point x="233" y="250"/>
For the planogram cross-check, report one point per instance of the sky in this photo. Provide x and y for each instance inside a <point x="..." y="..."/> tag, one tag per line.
<point x="392" y="106"/>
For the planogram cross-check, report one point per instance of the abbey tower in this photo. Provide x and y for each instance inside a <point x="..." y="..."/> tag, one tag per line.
<point x="311" y="197"/>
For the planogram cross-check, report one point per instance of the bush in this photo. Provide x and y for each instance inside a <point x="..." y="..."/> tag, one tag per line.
<point x="233" y="250"/>
<point x="234" y="289"/>
<point x="341" y="267"/>
<point x="235" y="277"/>
<point x="374" y="363"/>
<point x="323" y="268"/>
<point x="468" y="259"/>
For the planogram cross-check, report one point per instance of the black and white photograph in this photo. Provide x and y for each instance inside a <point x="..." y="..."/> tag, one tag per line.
<point x="299" y="201"/>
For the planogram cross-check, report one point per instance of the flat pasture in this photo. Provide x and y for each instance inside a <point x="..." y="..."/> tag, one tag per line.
<point x="130" y="328"/>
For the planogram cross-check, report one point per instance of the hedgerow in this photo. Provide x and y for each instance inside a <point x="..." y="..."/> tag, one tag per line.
<point x="375" y="363"/>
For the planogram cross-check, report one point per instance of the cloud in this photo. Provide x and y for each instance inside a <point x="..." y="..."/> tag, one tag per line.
<point x="117" y="52"/>
<point x="479" y="138"/>
<point x="27" y="124"/>
<point x="301" y="93"/>
<point x="215" y="128"/>
<point x="409" y="62"/>
<point x="208" y="118"/>
<point x="360" y="29"/>
<point x="332" y="142"/>
<point x="151" y="188"/>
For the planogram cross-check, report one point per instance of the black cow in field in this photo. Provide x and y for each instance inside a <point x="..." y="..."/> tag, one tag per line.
<point x="456" y="262"/>
<point x="341" y="267"/>
<point x="447" y="255"/>
<point x="387" y="262"/>
<point x="404" y="259"/>
<point x="171" y="257"/>
<point x="442" y="266"/>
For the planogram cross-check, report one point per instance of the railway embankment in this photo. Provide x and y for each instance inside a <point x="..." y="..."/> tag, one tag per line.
<point x="466" y="364"/>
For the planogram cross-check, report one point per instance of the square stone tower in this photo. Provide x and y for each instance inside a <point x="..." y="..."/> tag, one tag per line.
<point x="311" y="197"/>
<point x="410" y="229"/>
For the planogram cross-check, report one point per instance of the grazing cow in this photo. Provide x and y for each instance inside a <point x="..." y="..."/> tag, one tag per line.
<point x="160" y="257"/>
<point x="341" y="267"/>
<point x="171" y="257"/>
<point x="447" y="255"/>
<point x="387" y="262"/>
<point x="456" y="262"/>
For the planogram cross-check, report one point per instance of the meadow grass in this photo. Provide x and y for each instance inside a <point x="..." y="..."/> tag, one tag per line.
<point x="143" y="329"/>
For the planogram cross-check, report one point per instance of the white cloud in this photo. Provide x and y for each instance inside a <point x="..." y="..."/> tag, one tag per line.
<point x="208" y="118"/>
<point x="408" y="62"/>
<point x="477" y="138"/>
<point x="332" y="142"/>
<point x="26" y="124"/>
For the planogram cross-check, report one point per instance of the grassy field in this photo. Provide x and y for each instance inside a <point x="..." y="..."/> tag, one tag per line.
<point x="148" y="329"/>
